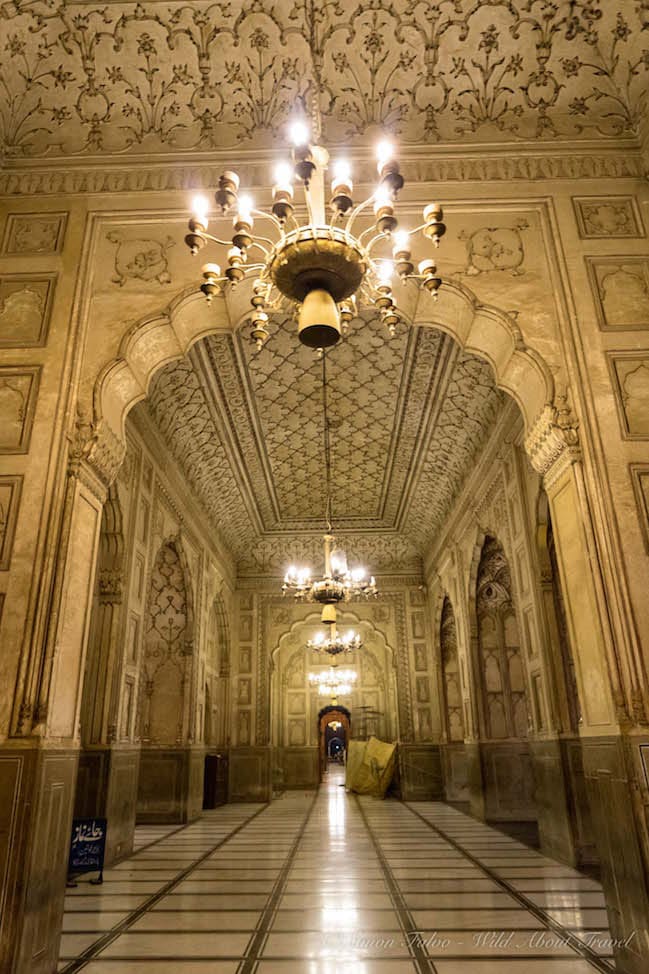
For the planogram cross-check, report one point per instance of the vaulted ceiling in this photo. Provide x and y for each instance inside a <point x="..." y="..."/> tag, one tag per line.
<point x="87" y="80"/>
<point x="408" y="417"/>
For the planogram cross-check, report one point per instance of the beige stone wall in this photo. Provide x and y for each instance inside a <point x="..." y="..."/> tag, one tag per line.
<point x="500" y="501"/>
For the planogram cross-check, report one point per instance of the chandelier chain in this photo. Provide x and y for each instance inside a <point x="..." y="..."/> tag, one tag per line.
<point x="327" y="443"/>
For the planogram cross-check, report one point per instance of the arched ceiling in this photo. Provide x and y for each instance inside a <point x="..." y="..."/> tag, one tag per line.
<point x="88" y="80"/>
<point x="409" y="415"/>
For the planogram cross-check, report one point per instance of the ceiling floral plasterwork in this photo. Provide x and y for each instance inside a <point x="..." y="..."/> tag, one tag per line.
<point x="158" y="77"/>
<point x="408" y="418"/>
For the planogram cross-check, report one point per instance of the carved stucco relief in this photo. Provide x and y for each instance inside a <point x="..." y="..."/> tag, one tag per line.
<point x="606" y="217"/>
<point x="159" y="77"/>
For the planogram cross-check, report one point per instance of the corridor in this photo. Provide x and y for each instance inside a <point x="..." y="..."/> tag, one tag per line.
<point x="317" y="883"/>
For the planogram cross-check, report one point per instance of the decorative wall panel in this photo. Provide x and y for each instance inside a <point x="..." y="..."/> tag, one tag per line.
<point x="607" y="217"/>
<point x="621" y="290"/>
<point x="34" y="233"/>
<point x="10" y="489"/>
<point x="25" y="307"/>
<point x="18" y="392"/>
<point x="630" y="375"/>
<point x="640" y="475"/>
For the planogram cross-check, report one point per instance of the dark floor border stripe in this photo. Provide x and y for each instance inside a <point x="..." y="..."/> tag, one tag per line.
<point x="258" y="939"/>
<point x="569" y="938"/>
<point x="422" y="961"/>
<point x="95" y="948"/>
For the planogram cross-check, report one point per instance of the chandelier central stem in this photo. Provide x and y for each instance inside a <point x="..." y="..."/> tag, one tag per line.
<point x="327" y="445"/>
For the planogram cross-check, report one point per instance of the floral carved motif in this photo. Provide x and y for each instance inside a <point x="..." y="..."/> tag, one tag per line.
<point x="154" y="77"/>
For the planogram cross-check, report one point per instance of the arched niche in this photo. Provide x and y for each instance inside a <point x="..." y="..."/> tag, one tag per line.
<point x="451" y="677"/>
<point x="167" y="651"/>
<point x="502" y="667"/>
<point x="99" y="713"/>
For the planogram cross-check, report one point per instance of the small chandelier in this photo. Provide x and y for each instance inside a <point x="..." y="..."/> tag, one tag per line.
<point x="326" y="270"/>
<point x="333" y="643"/>
<point x="339" y="583"/>
<point x="334" y="683"/>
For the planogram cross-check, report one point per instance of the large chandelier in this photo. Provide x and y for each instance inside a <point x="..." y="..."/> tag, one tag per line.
<point x="326" y="270"/>
<point x="334" y="683"/>
<point x="339" y="583"/>
<point x="334" y="643"/>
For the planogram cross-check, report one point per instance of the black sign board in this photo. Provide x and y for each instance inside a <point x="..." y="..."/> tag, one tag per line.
<point x="87" y="846"/>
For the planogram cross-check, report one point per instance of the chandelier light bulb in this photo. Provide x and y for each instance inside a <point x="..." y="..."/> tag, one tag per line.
<point x="342" y="172"/>
<point x="384" y="153"/>
<point x="401" y="242"/>
<point x="283" y="175"/>
<point x="200" y="209"/>
<point x="244" y="209"/>
<point x="385" y="271"/>
<point x="299" y="133"/>
<point x="382" y="198"/>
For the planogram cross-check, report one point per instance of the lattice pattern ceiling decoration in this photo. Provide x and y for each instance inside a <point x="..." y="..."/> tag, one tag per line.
<point x="161" y="77"/>
<point x="409" y="416"/>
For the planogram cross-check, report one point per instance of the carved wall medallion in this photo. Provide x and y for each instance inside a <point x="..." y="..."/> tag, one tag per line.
<point x="25" y="307"/>
<point x="10" y="489"/>
<point x="630" y="380"/>
<point x="621" y="291"/>
<point x="640" y="477"/>
<point x="34" y="233"/>
<point x="608" y="216"/>
<point x="495" y="249"/>
<point x="139" y="259"/>
<point x="18" y="393"/>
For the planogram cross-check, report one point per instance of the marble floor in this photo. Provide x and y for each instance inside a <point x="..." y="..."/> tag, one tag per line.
<point x="328" y="882"/>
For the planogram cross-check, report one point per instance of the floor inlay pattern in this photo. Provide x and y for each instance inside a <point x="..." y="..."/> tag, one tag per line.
<point x="328" y="883"/>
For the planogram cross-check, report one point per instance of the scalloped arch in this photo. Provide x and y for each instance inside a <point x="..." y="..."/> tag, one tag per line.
<point x="157" y="340"/>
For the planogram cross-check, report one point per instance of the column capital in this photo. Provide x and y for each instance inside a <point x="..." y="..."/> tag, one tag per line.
<point x="96" y="454"/>
<point x="552" y="443"/>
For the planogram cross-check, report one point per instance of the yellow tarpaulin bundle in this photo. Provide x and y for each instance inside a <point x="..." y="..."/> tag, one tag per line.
<point x="370" y="766"/>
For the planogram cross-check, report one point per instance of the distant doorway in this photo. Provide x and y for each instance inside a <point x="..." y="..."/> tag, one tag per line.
<point x="334" y="725"/>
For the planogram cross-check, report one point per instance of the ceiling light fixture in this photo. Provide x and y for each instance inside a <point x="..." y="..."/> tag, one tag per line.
<point x="327" y="270"/>
<point x="334" y="643"/>
<point x="339" y="583"/>
<point x="334" y="683"/>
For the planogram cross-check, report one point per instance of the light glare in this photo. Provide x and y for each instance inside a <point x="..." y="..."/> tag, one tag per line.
<point x="201" y="208"/>
<point x="342" y="171"/>
<point x="299" y="133"/>
<point x="384" y="152"/>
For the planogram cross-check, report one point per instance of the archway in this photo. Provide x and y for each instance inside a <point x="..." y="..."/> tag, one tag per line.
<point x="327" y="732"/>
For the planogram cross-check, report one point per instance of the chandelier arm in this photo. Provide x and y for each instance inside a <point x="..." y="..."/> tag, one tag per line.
<point x="374" y="240"/>
<point x="260" y="246"/>
<point x="358" y="210"/>
<point x="269" y="216"/>
<point x="216" y="240"/>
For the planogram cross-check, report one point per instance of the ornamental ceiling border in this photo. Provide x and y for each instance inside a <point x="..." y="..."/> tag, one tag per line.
<point x="159" y="77"/>
<point x="618" y="163"/>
